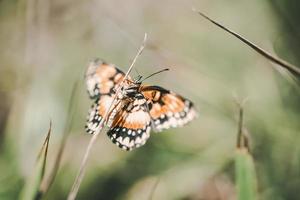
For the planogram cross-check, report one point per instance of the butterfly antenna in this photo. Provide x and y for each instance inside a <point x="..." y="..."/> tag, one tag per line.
<point x="138" y="77"/>
<point x="136" y="71"/>
<point x="167" y="69"/>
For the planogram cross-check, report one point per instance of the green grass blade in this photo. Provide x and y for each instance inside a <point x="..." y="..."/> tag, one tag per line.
<point x="32" y="185"/>
<point x="245" y="175"/>
<point x="244" y="164"/>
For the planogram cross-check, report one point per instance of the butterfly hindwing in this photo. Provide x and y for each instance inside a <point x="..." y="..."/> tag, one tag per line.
<point x="131" y="125"/>
<point x="167" y="109"/>
<point x="102" y="78"/>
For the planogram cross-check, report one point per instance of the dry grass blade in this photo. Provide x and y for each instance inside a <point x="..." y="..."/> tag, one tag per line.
<point x="46" y="184"/>
<point x="44" y="151"/>
<point x="240" y="128"/>
<point x="240" y="135"/>
<point x="74" y="190"/>
<point x="31" y="188"/>
<point x="242" y="138"/>
<point x="291" y="68"/>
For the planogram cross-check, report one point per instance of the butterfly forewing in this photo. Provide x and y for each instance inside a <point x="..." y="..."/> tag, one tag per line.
<point x="167" y="109"/>
<point x="102" y="78"/>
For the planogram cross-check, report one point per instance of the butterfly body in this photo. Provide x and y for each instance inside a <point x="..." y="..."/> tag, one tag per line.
<point x="138" y="108"/>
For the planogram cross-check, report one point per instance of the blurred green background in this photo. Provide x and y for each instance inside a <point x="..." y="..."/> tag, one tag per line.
<point x="46" y="46"/>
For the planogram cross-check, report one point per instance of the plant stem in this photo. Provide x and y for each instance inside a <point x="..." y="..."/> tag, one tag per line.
<point x="74" y="190"/>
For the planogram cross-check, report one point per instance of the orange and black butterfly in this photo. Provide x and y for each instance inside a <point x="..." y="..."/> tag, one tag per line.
<point x="139" y="108"/>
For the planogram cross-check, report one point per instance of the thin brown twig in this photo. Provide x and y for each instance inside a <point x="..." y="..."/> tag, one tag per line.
<point x="240" y="128"/>
<point x="45" y="145"/>
<point x="246" y="140"/>
<point x="242" y="141"/>
<point x="74" y="190"/>
<point x="291" y="68"/>
<point x="46" y="141"/>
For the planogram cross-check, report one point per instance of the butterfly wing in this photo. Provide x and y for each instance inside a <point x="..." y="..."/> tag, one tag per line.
<point x="132" y="124"/>
<point x="97" y="112"/>
<point x="102" y="78"/>
<point x="166" y="108"/>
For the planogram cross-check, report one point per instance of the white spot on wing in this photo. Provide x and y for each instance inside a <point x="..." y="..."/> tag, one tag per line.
<point x="126" y="141"/>
<point x="119" y="139"/>
<point x="138" y="117"/>
<point x="138" y="140"/>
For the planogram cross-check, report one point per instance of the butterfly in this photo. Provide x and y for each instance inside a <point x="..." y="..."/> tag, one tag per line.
<point x="138" y="108"/>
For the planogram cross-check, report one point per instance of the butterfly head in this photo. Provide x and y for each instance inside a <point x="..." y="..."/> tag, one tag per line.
<point x="129" y="89"/>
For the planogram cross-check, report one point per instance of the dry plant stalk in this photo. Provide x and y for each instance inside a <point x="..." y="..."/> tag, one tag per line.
<point x="242" y="141"/>
<point x="47" y="182"/>
<point x="74" y="190"/>
<point x="291" y="68"/>
<point x="239" y="141"/>
<point x="46" y="145"/>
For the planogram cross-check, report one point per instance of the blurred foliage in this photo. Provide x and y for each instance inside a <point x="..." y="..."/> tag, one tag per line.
<point x="46" y="45"/>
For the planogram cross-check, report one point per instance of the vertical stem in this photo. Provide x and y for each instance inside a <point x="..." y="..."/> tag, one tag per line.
<point x="74" y="190"/>
<point x="240" y="128"/>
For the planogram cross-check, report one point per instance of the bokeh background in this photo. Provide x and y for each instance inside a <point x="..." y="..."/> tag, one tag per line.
<point x="46" y="46"/>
